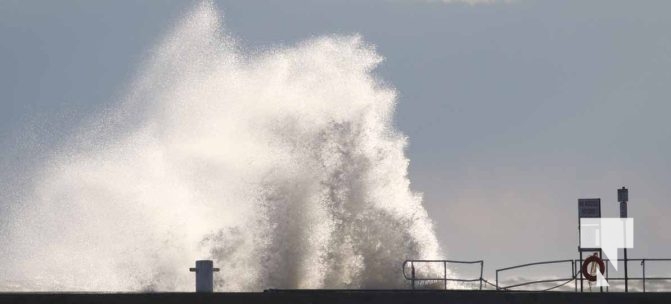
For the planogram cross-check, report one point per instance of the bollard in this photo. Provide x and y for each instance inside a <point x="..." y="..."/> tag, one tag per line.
<point x="204" y="275"/>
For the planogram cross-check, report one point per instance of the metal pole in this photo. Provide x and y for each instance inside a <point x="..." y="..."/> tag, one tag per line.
<point x="580" y="271"/>
<point x="607" y="265"/>
<point x="623" y="197"/>
<point x="412" y="269"/>
<point x="643" y="264"/>
<point x="601" y="257"/>
<point x="497" y="280"/>
<point x="482" y="265"/>
<point x="412" y="266"/>
<point x="445" y="273"/>
<point x="626" y="276"/>
<point x="575" y="282"/>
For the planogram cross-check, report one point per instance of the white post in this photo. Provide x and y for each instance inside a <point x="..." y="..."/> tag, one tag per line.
<point x="204" y="275"/>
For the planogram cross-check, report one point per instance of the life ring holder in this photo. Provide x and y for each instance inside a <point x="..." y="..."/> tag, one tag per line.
<point x="592" y="259"/>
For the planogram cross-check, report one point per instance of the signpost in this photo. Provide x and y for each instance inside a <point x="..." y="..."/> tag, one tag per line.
<point x="587" y="208"/>
<point x="623" y="197"/>
<point x="591" y="208"/>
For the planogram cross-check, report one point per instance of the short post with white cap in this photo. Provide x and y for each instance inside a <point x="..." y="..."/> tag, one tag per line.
<point x="204" y="275"/>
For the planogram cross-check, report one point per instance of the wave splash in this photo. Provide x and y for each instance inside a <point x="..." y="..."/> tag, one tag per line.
<point x="283" y="166"/>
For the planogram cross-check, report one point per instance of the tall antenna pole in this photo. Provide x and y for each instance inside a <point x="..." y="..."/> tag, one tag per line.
<point x="623" y="197"/>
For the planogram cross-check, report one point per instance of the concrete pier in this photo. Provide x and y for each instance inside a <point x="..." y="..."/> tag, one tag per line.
<point x="342" y="297"/>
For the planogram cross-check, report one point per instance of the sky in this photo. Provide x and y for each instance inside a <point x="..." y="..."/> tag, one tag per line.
<point x="513" y="109"/>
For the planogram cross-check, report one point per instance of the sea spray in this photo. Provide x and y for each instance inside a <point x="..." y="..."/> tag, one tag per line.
<point x="283" y="166"/>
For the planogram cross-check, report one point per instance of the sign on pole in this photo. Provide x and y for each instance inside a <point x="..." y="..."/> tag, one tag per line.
<point x="589" y="207"/>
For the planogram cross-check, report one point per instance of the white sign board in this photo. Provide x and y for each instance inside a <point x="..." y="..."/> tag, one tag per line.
<point x="589" y="207"/>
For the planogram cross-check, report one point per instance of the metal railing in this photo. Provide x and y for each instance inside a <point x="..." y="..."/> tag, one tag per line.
<point x="566" y="280"/>
<point x="576" y="275"/>
<point x="643" y="278"/>
<point x="413" y="278"/>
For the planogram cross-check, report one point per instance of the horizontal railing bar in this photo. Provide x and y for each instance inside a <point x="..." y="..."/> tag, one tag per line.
<point x="537" y="263"/>
<point x="443" y="279"/>
<point x="442" y="261"/>
<point x="639" y="278"/>
<point x="456" y="280"/>
<point x="622" y="260"/>
<point x="535" y="282"/>
<point x="655" y="259"/>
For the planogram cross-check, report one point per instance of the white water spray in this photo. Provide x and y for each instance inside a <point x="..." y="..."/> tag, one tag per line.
<point x="284" y="167"/>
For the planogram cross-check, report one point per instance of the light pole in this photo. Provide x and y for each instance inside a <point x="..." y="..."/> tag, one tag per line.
<point x="623" y="197"/>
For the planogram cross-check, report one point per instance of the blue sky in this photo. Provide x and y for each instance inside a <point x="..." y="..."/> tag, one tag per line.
<point x="513" y="110"/>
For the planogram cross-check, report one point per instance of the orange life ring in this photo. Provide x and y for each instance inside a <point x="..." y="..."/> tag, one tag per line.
<point x="585" y="264"/>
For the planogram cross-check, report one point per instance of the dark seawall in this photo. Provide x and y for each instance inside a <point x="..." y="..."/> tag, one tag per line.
<point x="341" y="297"/>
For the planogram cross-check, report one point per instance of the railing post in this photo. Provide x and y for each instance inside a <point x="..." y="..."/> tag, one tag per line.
<point x="482" y="265"/>
<point x="643" y="265"/>
<point x="607" y="265"/>
<point x="626" y="272"/>
<point x="412" y="276"/>
<point x="580" y="267"/>
<point x="445" y="273"/>
<point x="575" y="282"/>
